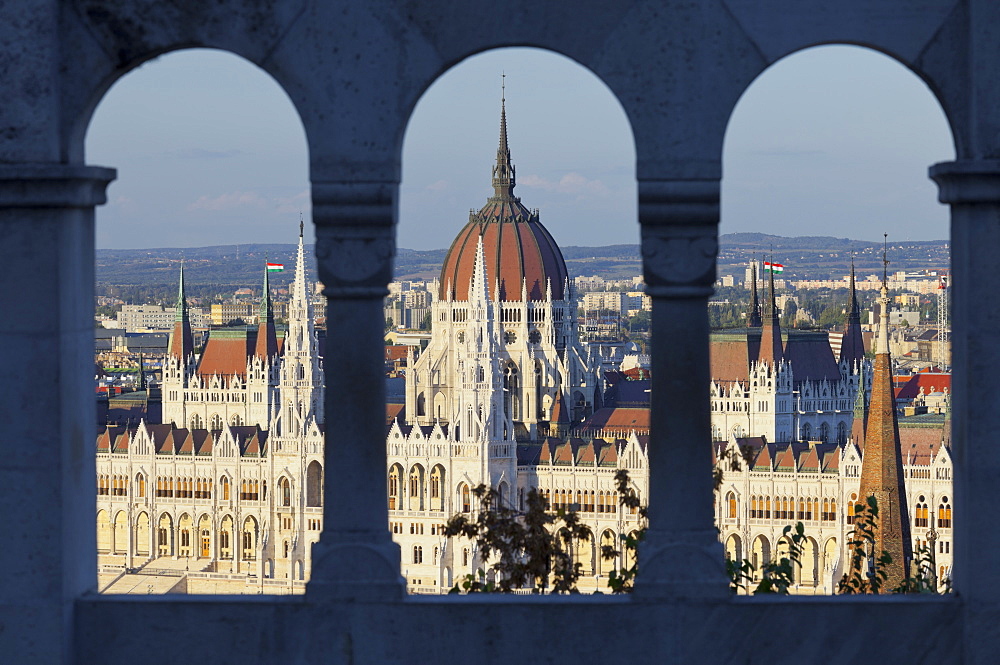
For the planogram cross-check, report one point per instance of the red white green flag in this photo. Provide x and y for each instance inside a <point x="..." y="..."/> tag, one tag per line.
<point x="275" y="267"/>
<point x="773" y="267"/>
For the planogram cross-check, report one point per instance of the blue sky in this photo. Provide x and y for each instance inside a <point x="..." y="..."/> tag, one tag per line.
<point x="830" y="141"/>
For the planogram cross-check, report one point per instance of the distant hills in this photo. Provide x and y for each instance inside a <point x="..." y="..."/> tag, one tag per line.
<point x="228" y="267"/>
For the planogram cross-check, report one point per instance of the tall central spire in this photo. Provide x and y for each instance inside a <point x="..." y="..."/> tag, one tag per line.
<point x="503" y="172"/>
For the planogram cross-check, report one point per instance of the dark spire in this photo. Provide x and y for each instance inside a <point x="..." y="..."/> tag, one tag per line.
<point x="503" y="172"/>
<point x="770" y="338"/>
<point x="181" y="340"/>
<point x="302" y="225"/>
<point x="852" y="348"/>
<point x="267" y="339"/>
<point x="753" y="314"/>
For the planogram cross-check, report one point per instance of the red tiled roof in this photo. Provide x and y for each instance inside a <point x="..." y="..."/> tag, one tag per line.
<point x="620" y="419"/>
<point x="931" y="383"/>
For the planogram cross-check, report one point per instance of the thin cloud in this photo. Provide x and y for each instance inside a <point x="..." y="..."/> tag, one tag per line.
<point x="571" y="183"/>
<point x="201" y="153"/>
<point x="438" y="186"/>
<point x="229" y="201"/>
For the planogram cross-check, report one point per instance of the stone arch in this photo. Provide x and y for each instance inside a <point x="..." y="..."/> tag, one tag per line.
<point x="314" y="484"/>
<point x="185" y="535"/>
<point x="165" y="535"/>
<point x="285" y="491"/>
<point x="734" y="548"/>
<point x="760" y="552"/>
<point x="104" y="532"/>
<point x="503" y="494"/>
<point x="415" y="487"/>
<point x="830" y="556"/>
<point x="142" y="534"/>
<point x="437" y="486"/>
<point x="809" y="571"/>
<point x="119" y="535"/>
<point x="203" y="539"/>
<point x="226" y="539"/>
<point x="464" y="497"/>
<point x="811" y="75"/>
<point x="249" y="537"/>
<point x="395" y="487"/>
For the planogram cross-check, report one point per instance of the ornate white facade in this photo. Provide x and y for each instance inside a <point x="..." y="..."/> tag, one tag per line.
<point x="232" y="482"/>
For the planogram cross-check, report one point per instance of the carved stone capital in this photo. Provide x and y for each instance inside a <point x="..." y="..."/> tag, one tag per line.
<point x="967" y="181"/>
<point x="679" y="220"/>
<point x="355" y="237"/>
<point x="679" y="261"/>
<point x="53" y="185"/>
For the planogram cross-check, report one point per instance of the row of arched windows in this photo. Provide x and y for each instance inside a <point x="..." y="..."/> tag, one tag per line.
<point x="786" y="508"/>
<point x="113" y="485"/>
<point x="418" y="494"/>
<point x="921" y="513"/>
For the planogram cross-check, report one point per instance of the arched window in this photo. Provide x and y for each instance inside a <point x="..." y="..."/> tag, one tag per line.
<point x="806" y="432"/>
<point x="416" y="492"/>
<point x="314" y="484"/>
<point x="944" y="513"/>
<point x="920" y="514"/>
<point x="767" y="508"/>
<point x="418" y="554"/>
<point x="731" y="505"/>
<point x="437" y="485"/>
<point x="216" y="422"/>
<point x="286" y="492"/>
<point x="394" y="499"/>
<point x="235" y="421"/>
<point x="466" y="499"/>
<point x="224" y="484"/>
<point x="841" y="433"/>
<point x="196" y="422"/>
<point x="824" y="432"/>
<point x="140" y="485"/>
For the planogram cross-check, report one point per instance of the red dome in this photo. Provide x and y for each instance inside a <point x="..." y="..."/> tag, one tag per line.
<point x="517" y="248"/>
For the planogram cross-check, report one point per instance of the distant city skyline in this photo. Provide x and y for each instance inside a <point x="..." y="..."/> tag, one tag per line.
<point x="831" y="141"/>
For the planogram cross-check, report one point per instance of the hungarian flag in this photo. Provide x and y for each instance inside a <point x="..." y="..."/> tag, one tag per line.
<point x="275" y="267"/>
<point x="773" y="267"/>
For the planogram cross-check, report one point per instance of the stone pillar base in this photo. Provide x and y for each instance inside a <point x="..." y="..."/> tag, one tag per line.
<point x="363" y="569"/>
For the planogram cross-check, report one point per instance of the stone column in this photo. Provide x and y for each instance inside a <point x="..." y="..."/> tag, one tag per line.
<point x="681" y="556"/>
<point x="47" y="480"/>
<point x="355" y="244"/>
<point x="972" y="188"/>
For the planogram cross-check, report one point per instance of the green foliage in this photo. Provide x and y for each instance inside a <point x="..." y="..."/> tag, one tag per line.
<point x="528" y="550"/>
<point x="866" y="573"/>
<point x="775" y="576"/>
<point x="622" y="581"/>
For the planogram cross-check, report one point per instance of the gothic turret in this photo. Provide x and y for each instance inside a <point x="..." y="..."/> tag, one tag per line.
<point x="753" y="313"/>
<point x="852" y="349"/>
<point x="267" y="339"/>
<point x="882" y="465"/>
<point x="771" y="350"/>
<point x="181" y="340"/>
